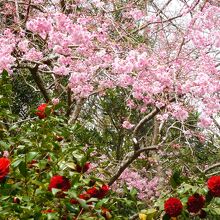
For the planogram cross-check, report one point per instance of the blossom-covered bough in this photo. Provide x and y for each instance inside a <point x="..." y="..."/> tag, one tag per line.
<point x="160" y="59"/>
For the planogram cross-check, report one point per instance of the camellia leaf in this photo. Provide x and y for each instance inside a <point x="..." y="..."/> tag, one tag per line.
<point x="216" y="211"/>
<point x="176" y="179"/>
<point x="71" y="165"/>
<point x="31" y="155"/>
<point x="166" y="217"/>
<point x="16" y="163"/>
<point x="22" y="168"/>
<point x="55" y="191"/>
<point x="4" y="145"/>
<point x="101" y="202"/>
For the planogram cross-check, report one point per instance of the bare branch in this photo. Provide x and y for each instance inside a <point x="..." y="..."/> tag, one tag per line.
<point x="76" y="111"/>
<point x="38" y="80"/>
<point x="28" y="11"/>
<point x="134" y="156"/>
<point x="216" y="123"/>
<point x="212" y="167"/>
<point x="69" y="102"/>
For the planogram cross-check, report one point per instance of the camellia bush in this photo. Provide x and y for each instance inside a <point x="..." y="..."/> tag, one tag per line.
<point x="109" y="109"/>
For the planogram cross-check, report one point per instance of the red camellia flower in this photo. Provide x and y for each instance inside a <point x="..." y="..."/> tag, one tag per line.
<point x="103" y="191"/>
<point x="59" y="182"/>
<point x="173" y="207"/>
<point x="4" y="167"/>
<point x="98" y="193"/>
<point x="93" y="192"/>
<point x="83" y="169"/>
<point x="214" y="185"/>
<point x="41" y="111"/>
<point x="195" y="203"/>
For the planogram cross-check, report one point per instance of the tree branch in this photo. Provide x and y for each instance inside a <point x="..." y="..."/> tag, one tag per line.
<point x="212" y="167"/>
<point x="144" y="120"/>
<point x="76" y="111"/>
<point x="216" y="123"/>
<point x="134" y="156"/>
<point x="69" y="102"/>
<point x="150" y="116"/>
<point x="38" y="80"/>
<point x="155" y="132"/>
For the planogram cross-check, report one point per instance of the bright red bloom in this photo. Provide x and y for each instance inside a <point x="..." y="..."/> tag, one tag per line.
<point x="83" y="169"/>
<point x="173" y="207"/>
<point x="93" y="192"/>
<point x="41" y="111"/>
<point x="195" y="203"/>
<point x="59" y="182"/>
<point x="98" y="193"/>
<point x="214" y="185"/>
<point x="103" y="191"/>
<point x="84" y="196"/>
<point x="73" y="201"/>
<point x="4" y="167"/>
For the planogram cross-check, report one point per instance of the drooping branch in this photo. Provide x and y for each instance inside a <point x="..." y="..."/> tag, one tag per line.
<point x="133" y="157"/>
<point x="38" y="80"/>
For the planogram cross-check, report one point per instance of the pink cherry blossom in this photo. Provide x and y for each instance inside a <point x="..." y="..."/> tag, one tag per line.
<point x="127" y="125"/>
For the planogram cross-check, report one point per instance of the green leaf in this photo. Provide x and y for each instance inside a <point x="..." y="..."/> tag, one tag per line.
<point x="4" y="74"/>
<point x="71" y="165"/>
<point x="16" y="163"/>
<point x="31" y="155"/>
<point x="209" y="197"/>
<point x="71" y="208"/>
<point x="216" y="211"/>
<point x="83" y="203"/>
<point x="217" y="201"/>
<point x="22" y="168"/>
<point x="4" y="145"/>
<point x="101" y="202"/>
<point x="166" y="217"/>
<point x="42" y="164"/>
<point x="55" y="191"/>
<point x="176" y="179"/>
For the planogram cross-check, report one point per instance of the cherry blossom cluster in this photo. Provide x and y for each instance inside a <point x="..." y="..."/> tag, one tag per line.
<point x="88" y="48"/>
<point x="147" y="189"/>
